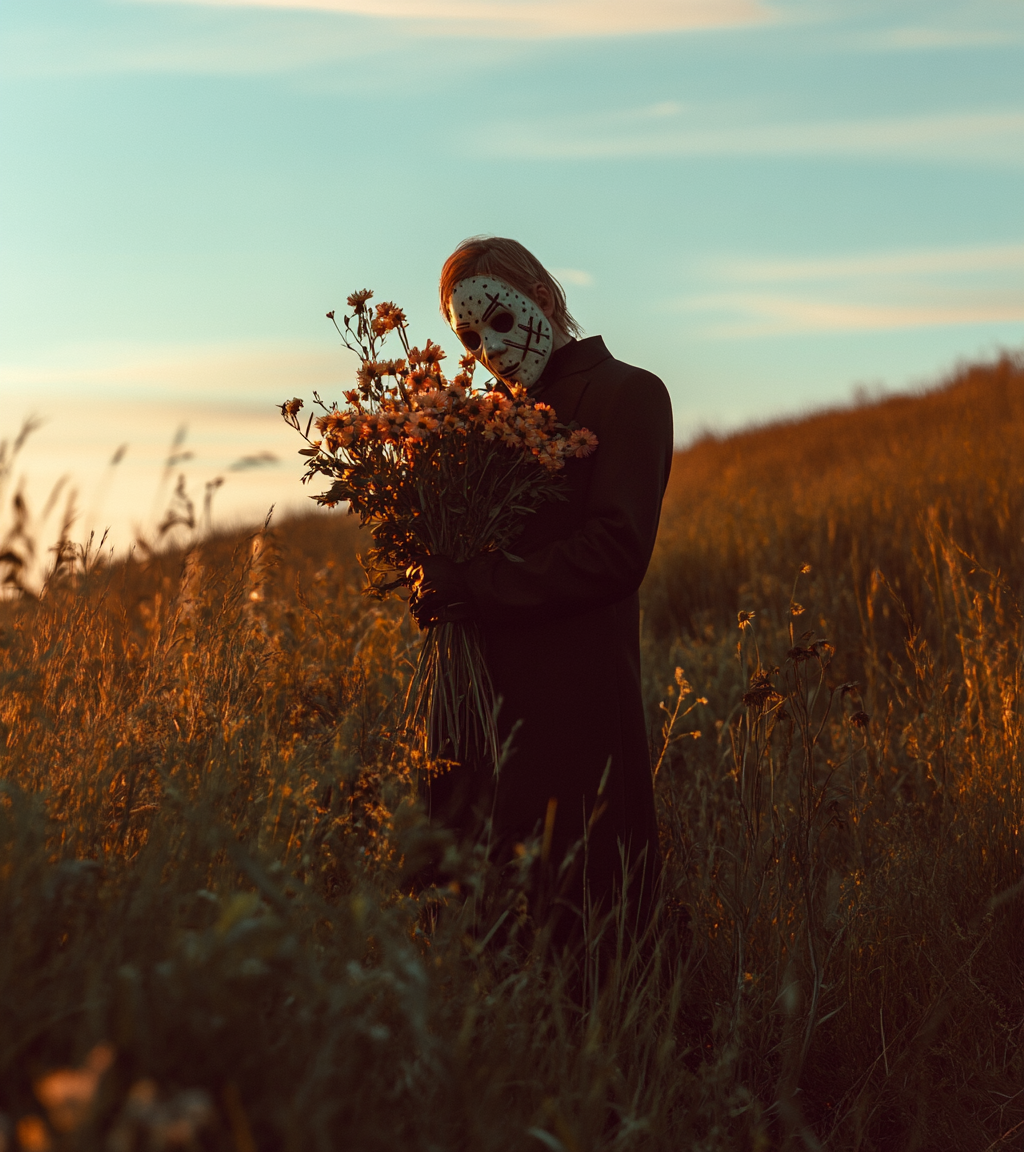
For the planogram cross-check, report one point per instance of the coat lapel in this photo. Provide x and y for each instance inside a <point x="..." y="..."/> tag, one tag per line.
<point x="564" y="383"/>
<point x="565" y="396"/>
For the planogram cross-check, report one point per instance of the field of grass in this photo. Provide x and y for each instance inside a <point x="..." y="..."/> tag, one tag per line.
<point x="210" y="934"/>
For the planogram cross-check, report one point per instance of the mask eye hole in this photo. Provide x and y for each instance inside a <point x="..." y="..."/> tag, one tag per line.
<point x="503" y="322"/>
<point x="470" y="339"/>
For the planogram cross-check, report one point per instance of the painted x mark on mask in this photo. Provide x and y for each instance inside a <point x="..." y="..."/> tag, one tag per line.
<point x="502" y="327"/>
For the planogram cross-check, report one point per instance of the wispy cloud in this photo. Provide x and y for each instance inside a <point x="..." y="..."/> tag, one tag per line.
<point x="573" y="276"/>
<point x="776" y="315"/>
<point x="218" y="44"/>
<point x="988" y="258"/>
<point x="909" y="25"/>
<point x="991" y="136"/>
<point x="863" y="292"/>
<point x="937" y="25"/>
<point x="253" y="37"/>
<point x="532" y="19"/>
<point x="927" y="39"/>
<point x="220" y="376"/>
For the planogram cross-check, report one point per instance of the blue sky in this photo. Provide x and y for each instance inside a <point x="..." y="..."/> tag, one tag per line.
<point x="766" y="203"/>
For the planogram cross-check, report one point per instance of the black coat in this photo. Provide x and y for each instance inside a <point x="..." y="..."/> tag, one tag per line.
<point x="562" y="629"/>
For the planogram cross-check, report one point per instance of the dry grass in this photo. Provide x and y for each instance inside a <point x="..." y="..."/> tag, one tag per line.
<point x="209" y="828"/>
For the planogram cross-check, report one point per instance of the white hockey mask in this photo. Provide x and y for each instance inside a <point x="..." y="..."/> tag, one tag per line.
<point x="503" y="328"/>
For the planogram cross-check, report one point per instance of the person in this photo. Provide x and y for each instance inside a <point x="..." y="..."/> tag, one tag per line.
<point x="560" y="622"/>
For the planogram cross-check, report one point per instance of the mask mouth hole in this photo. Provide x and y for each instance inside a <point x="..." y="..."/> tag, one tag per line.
<point x="470" y="339"/>
<point x="503" y="322"/>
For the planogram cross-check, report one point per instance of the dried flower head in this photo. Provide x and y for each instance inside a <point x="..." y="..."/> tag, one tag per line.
<point x="762" y="693"/>
<point x="744" y="618"/>
<point x="823" y="650"/>
<point x="357" y="301"/>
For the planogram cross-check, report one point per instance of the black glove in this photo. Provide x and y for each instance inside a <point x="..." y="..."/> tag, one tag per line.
<point x="440" y="594"/>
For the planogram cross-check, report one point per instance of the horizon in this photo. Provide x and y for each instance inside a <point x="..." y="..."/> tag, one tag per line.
<point x="120" y="540"/>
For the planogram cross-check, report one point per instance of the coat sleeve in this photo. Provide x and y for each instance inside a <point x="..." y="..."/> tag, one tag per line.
<point x="606" y="558"/>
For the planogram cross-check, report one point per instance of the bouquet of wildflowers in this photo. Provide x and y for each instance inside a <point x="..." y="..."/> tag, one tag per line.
<point x="434" y="467"/>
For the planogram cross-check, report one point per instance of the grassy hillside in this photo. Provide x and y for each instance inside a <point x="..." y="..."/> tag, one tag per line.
<point x="209" y="931"/>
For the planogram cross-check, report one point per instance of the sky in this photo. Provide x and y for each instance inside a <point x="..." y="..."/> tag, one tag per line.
<point x="775" y="205"/>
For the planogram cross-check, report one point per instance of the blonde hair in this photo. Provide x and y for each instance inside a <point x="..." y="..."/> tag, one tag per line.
<point x="498" y="256"/>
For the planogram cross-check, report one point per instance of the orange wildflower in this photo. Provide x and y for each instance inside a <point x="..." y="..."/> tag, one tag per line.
<point x="389" y="317"/>
<point x="433" y="354"/>
<point x="581" y="442"/>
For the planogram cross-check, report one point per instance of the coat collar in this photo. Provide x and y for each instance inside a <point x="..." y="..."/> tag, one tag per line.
<point x="571" y="359"/>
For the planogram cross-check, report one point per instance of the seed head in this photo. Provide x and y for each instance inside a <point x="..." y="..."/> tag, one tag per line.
<point x="762" y="693"/>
